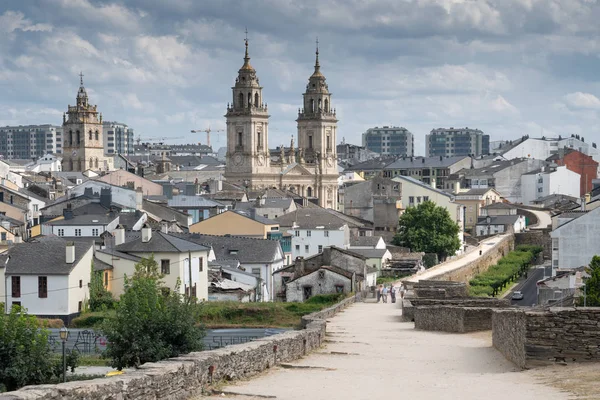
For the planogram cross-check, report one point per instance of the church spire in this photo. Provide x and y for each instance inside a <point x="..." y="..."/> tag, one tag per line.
<point x="317" y="65"/>
<point x="82" y="97"/>
<point x="247" y="65"/>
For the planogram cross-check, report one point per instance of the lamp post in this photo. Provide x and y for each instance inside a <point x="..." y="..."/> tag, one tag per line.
<point x="64" y="334"/>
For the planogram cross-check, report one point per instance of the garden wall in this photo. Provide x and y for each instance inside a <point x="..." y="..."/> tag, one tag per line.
<point x="532" y="338"/>
<point x="188" y="375"/>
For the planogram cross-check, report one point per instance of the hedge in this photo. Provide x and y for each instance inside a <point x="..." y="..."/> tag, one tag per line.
<point x="508" y="269"/>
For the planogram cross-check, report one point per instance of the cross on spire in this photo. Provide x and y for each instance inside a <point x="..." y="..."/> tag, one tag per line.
<point x="317" y="66"/>
<point x="81" y="78"/>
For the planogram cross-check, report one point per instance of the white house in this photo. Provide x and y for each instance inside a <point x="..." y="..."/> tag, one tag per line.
<point x="48" y="276"/>
<point x="88" y="225"/>
<point x="128" y="198"/>
<point x="47" y="163"/>
<point x="549" y="180"/>
<point x="314" y="229"/>
<point x="492" y="225"/>
<point x="367" y="242"/>
<point x="172" y="254"/>
<point x="575" y="242"/>
<point x="542" y="148"/>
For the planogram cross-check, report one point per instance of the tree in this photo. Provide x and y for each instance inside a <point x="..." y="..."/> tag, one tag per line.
<point x="428" y="228"/>
<point x="592" y="284"/>
<point x="100" y="298"/>
<point x="26" y="357"/>
<point x="151" y="322"/>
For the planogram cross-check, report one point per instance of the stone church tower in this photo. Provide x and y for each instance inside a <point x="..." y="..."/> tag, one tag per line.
<point x="247" y="129"/>
<point x="83" y="146"/>
<point x="310" y="169"/>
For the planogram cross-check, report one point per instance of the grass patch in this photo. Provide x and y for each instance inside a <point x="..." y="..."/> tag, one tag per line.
<point x="263" y="315"/>
<point x="91" y="319"/>
<point x="93" y="361"/>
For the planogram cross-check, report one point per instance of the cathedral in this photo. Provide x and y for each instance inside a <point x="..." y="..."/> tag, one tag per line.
<point x="83" y="146"/>
<point x="310" y="169"/>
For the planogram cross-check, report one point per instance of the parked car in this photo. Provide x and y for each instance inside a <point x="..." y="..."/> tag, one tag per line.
<point x="517" y="296"/>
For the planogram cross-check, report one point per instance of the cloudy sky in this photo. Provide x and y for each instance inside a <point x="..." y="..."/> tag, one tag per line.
<point x="508" y="67"/>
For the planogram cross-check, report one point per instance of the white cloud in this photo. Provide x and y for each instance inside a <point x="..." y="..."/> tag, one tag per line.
<point x="11" y="21"/>
<point x="582" y="101"/>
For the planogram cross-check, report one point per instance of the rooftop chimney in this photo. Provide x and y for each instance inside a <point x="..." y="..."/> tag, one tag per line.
<point x="105" y="197"/>
<point x="68" y="212"/>
<point x="119" y="235"/>
<point x="18" y="239"/>
<point x="139" y="196"/>
<point x="299" y="267"/>
<point x="70" y="253"/>
<point x="146" y="233"/>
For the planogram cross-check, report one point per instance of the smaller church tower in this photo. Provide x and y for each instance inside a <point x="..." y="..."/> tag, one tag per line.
<point x="83" y="147"/>
<point x="247" y="129"/>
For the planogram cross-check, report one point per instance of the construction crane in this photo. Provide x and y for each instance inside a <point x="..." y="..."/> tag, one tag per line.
<point x="157" y="139"/>
<point x="207" y="131"/>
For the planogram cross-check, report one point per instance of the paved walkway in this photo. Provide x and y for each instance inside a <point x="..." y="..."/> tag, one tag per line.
<point x="544" y="219"/>
<point x="371" y="355"/>
<point x="432" y="273"/>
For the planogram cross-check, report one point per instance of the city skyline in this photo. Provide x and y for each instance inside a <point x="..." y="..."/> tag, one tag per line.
<point x="508" y="68"/>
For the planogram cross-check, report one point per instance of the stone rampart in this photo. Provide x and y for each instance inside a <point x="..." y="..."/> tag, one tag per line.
<point x="453" y="318"/>
<point x="533" y="338"/>
<point x="409" y="304"/>
<point x="189" y="375"/>
<point x="435" y="289"/>
<point x="537" y="237"/>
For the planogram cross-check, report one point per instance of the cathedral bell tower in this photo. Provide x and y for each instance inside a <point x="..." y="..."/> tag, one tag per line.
<point x="83" y="146"/>
<point x="247" y="129"/>
<point x="317" y="131"/>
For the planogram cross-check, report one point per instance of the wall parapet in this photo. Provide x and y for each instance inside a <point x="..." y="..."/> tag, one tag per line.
<point x="190" y="374"/>
<point x="543" y="337"/>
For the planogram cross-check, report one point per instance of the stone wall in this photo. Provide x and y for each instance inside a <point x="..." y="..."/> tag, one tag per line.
<point x="532" y="338"/>
<point x="439" y="289"/>
<point x="537" y="237"/>
<point x="453" y="318"/>
<point x="408" y="304"/>
<point x="187" y="376"/>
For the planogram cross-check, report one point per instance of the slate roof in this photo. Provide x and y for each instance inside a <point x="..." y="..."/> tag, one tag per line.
<point x="100" y="265"/>
<point x="473" y="192"/>
<point x="255" y="217"/>
<point x="193" y="201"/>
<point x="87" y="219"/>
<point x="364" y="241"/>
<point x="424" y="162"/>
<point x="33" y="195"/>
<point x="372" y="165"/>
<point x="423" y="185"/>
<point x="331" y="268"/>
<point x="491" y="169"/>
<point x="311" y="218"/>
<point x="119" y="254"/>
<point x="165" y="213"/>
<point x="244" y="249"/>
<point x="44" y="255"/>
<point x="160" y="243"/>
<point x="499" y="206"/>
<point x="370" y="253"/>
<point x="498" y="220"/>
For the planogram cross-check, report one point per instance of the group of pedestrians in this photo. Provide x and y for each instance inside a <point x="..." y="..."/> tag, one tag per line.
<point x="383" y="292"/>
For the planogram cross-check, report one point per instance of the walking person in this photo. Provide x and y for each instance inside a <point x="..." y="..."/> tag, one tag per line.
<point x="378" y="293"/>
<point x="384" y="294"/>
<point x="393" y="293"/>
<point x="402" y="290"/>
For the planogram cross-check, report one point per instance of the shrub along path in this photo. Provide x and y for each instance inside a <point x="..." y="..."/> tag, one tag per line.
<point x="371" y="355"/>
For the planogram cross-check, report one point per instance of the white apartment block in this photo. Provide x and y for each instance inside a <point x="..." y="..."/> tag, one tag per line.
<point x="30" y="141"/>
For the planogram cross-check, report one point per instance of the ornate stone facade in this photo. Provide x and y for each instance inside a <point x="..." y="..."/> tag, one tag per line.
<point x="311" y="169"/>
<point x="83" y="147"/>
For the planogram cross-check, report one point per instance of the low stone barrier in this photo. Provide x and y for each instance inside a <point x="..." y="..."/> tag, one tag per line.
<point x="409" y="304"/>
<point x="453" y="318"/>
<point x="440" y="289"/>
<point x="190" y="374"/>
<point x="542" y="337"/>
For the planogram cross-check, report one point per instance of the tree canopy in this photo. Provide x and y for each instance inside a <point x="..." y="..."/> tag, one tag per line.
<point x="151" y="322"/>
<point x="592" y="284"/>
<point x="428" y="228"/>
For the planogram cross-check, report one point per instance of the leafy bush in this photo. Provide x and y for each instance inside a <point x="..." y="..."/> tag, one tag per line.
<point x="25" y="354"/>
<point x="508" y="269"/>
<point x="150" y="324"/>
<point x="89" y="320"/>
<point x="430" y="259"/>
<point x="326" y="298"/>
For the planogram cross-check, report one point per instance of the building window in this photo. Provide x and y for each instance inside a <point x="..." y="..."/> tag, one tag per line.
<point x="326" y="233"/>
<point x="418" y="199"/>
<point x="80" y="306"/>
<point x="80" y="283"/>
<point x="310" y="141"/>
<point x="339" y="288"/>
<point x="42" y="287"/>
<point x="411" y="200"/>
<point x="16" y="286"/>
<point x="77" y="232"/>
<point x="540" y="190"/>
<point x="297" y="247"/>
<point x="165" y="267"/>
<point x="16" y="303"/>
<point x="425" y="198"/>
<point x="3" y="236"/>
<point x="11" y="199"/>
<point x="554" y="244"/>
<point x="61" y="232"/>
<point x="105" y="278"/>
<point x="297" y="233"/>
<point x="320" y="248"/>
<point x="306" y="248"/>
<point x="35" y="207"/>
<point x="240" y="142"/>
<point x="200" y="264"/>
<point x="95" y="232"/>
<point x="308" y="233"/>
<point x="256" y="271"/>
<point x="554" y="262"/>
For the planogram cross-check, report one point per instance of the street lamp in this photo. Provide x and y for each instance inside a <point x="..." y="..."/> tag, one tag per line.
<point x="64" y="334"/>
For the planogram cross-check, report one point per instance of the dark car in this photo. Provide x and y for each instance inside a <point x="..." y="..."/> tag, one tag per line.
<point x="517" y="296"/>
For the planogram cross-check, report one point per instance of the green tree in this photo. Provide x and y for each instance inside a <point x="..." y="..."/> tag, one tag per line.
<point x="428" y="228"/>
<point x="151" y="322"/>
<point x="592" y="284"/>
<point x="26" y="357"/>
<point x="100" y="298"/>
